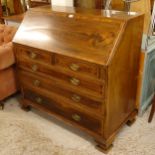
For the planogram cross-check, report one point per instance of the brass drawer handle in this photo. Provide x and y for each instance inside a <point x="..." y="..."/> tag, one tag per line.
<point x="34" y="68"/>
<point x="75" y="81"/>
<point x="39" y="100"/>
<point x="76" y="118"/>
<point x="74" y="67"/>
<point x="33" y="55"/>
<point x="36" y="83"/>
<point x="76" y="98"/>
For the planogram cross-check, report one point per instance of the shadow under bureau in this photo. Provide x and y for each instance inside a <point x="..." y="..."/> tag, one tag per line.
<point x="80" y="66"/>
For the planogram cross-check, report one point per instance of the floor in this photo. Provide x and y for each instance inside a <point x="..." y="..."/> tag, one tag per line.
<point x="35" y="133"/>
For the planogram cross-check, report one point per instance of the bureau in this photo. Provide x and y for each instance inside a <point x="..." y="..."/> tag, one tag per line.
<point x="80" y="66"/>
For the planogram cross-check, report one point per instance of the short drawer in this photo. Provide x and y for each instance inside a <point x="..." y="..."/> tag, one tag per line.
<point x="72" y="81"/>
<point x="33" y="54"/>
<point x="78" y="66"/>
<point x="64" y="111"/>
<point x="76" y="98"/>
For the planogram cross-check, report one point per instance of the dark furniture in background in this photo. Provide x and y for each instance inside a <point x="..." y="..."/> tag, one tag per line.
<point x="95" y="4"/>
<point x="152" y="110"/>
<point x="1" y="13"/>
<point x="36" y="3"/>
<point x="18" y="8"/>
<point x="0" y="9"/>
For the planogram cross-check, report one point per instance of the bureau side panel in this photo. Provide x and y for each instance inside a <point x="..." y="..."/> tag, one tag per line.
<point x="122" y="77"/>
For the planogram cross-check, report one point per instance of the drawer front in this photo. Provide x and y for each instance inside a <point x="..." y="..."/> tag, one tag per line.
<point x="75" y="98"/>
<point x="64" y="111"/>
<point x="95" y="86"/>
<point x="77" y="66"/>
<point x="32" y="54"/>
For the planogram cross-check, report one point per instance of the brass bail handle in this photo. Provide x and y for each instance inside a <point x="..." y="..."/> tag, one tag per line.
<point x="36" y="83"/>
<point x="39" y="100"/>
<point x="34" y="68"/>
<point x="74" y="67"/>
<point x="75" y="81"/>
<point x="76" y="98"/>
<point x="76" y="117"/>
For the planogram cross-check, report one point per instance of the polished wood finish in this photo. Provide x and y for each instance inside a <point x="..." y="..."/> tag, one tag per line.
<point x="152" y="110"/>
<point x="140" y="78"/>
<point x="31" y="54"/>
<point x="64" y="111"/>
<point x="80" y="66"/>
<point x="95" y="4"/>
<point x="78" y="99"/>
<point x="73" y="81"/>
<point x="144" y="6"/>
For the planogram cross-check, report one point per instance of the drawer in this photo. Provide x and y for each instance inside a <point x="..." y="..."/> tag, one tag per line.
<point x="33" y="54"/>
<point x="76" y="98"/>
<point x="73" y="81"/>
<point x="64" y="111"/>
<point x="78" y="66"/>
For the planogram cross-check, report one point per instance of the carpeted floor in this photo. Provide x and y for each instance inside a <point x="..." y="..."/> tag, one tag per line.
<point x="34" y="133"/>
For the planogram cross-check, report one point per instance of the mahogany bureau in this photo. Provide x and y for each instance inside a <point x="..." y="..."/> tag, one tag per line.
<point x="80" y="66"/>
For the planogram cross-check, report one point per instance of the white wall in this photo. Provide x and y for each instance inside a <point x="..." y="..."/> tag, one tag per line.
<point x="62" y="2"/>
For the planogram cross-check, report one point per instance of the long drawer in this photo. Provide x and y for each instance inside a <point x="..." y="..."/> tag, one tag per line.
<point x="35" y="67"/>
<point x="76" y="98"/>
<point x="64" y="111"/>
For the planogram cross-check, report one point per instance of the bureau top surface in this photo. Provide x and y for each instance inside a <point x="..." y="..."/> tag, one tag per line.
<point x="87" y="34"/>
